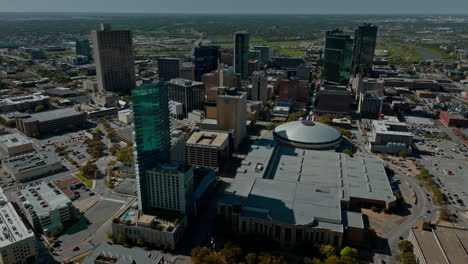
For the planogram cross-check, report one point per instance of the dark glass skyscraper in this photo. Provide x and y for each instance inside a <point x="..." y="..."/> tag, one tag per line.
<point x="169" y="68"/>
<point x="364" y="48"/>
<point x="82" y="47"/>
<point x="152" y="132"/>
<point x="206" y="60"/>
<point x="338" y="56"/>
<point x="241" y="54"/>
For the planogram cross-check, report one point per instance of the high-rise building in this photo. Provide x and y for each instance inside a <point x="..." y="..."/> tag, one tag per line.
<point x="241" y="54"/>
<point x="113" y="55"/>
<point x="253" y="66"/>
<point x="187" y="71"/>
<point x="259" y="86"/>
<point x="190" y="93"/>
<point x="169" y="68"/>
<point x="206" y="60"/>
<point x="231" y="114"/>
<point x="82" y="47"/>
<point x="370" y="104"/>
<point x="255" y="55"/>
<point x="152" y="133"/>
<point x="364" y="48"/>
<point x="264" y="53"/>
<point x="338" y="56"/>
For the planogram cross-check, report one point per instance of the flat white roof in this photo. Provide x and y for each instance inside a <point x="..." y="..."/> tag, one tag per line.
<point x="14" y="140"/>
<point x="12" y="228"/>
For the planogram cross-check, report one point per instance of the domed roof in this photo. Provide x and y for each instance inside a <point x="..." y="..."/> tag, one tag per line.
<point x="307" y="132"/>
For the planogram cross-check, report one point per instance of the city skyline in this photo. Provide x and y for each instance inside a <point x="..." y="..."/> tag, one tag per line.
<point x="241" y="6"/>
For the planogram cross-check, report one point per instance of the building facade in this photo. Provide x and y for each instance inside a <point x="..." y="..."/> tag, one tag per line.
<point x="15" y="144"/>
<point x="190" y="93"/>
<point x="231" y="108"/>
<point x="241" y="54"/>
<point x="207" y="149"/>
<point x="338" y="57"/>
<point x="390" y="137"/>
<point x="32" y="166"/>
<point x="370" y="105"/>
<point x="365" y="40"/>
<point x="113" y="55"/>
<point x="205" y="60"/>
<point x="83" y="48"/>
<point x="168" y="68"/>
<point x="259" y="86"/>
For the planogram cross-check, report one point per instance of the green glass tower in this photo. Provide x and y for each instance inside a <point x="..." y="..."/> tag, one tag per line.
<point x="241" y="54"/>
<point x="152" y="133"/>
<point x="364" y="48"/>
<point x="338" y="57"/>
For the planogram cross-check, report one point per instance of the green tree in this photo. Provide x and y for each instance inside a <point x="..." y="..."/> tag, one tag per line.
<point x="349" y="252"/>
<point x="405" y="246"/>
<point x="39" y="108"/>
<point x="89" y="170"/>
<point x="327" y="250"/>
<point x="332" y="260"/>
<point x="121" y="238"/>
<point x="251" y="258"/>
<point x="325" y="119"/>
<point x="114" y="148"/>
<point x="140" y="242"/>
<point x="406" y="258"/>
<point x="403" y="154"/>
<point x="110" y="236"/>
<point x="348" y="152"/>
<point x="125" y="155"/>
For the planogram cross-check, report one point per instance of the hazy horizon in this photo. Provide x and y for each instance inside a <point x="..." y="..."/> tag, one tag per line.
<point x="330" y="7"/>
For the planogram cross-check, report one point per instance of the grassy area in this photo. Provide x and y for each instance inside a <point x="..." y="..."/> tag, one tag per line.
<point x="436" y="50"/>
<point x="428" y="182"/>
<point x="58" y="54"/>
<point x="161" y="52"/>
<point x="286" y="48"/>
<point x="84" y="179"/>
<point x="400" y="53"/>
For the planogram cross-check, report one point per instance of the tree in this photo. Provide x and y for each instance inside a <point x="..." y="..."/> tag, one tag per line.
<point x="405" y="246"/>
<point x="125" y="155"/>
<point x="114" y="148"/>
<point x="121" y="238"/>
<point x="327" y="250"/>
<point x="403" y="154"/>
<point x="39" y="108"/>
<point x="89" y="170"/>
<point x="348" y="152"/>
<point x="349" y="252"/>
<point x="251" y="258"/>
<point x="332" y="260"/>
<point x="110" y="236"/>
<point x="325" y="119"/>
<point x="406" y="258"/>
<point x="140" y="242"/>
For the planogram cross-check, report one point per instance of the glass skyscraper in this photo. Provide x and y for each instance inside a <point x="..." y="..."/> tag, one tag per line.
<point x="364" y="48"/>
<point x="241" y="54"/>
<point x="152" y="133"/>
<point x="206" y="60"/>
<point x="338" y="57"/>
<point x="82" y="47"/>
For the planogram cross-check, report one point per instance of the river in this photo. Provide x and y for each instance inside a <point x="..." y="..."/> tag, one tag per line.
<point x="426" y="55"/>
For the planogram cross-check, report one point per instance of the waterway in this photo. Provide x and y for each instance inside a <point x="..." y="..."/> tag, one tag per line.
<point x="426" y="55"/>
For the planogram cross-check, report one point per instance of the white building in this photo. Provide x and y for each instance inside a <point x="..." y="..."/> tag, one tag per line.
<point x="17" y="242"/>
<point x="170" y="187"/>
<point x="15" y="144"/>
<point x="176" y="109"/>
<point x="46" y="207"/>
<point x="23" y="103"/>
<point x="32" y="166"/>
<point x="126" y="116"/>
<point x="390" y="137"/>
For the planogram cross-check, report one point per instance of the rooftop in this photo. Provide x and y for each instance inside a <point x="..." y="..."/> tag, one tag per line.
<point x="23" y="99"/>
<point x="307" y="132"/>
<point x="208" y="138"/>
<point x="116" y="254"/>
<point x="14" y="140"/>
<point x="391" y="127"/>
<point x="42" y="197"/>
<point x="30" y="161"/>
<point x="184" y="82"/>
<point x="51" y="115"/>
<point x="13" y="228"/>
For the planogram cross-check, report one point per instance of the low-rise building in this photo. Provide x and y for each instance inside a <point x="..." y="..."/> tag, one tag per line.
<point x="23" y="103"/>
<point x="370" y="105"/>
<point x="334" y="99"/>
<point x="425" y="94"/>
<point x="126" y="116"/>
<point x="207" y="149"/>
<point x="390" y="137"/>
<point x="46" y="207"/>
<point x="16" y="144"/>
<point x="116" y="254"/>
<point x="76" y="60"/>
<point x="32" y="166"/>
<point x="50" y="122"/>
<point x="435" y="244"/>
<point x="453" y="119"/>
<point x="17" y="242"/>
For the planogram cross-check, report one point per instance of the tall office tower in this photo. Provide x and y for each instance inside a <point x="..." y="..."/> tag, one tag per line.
<point x="255" y="55"/>
<point x="113" y="55"/>
<point x="241" y="54"/>
<point x="190" y="93"/>
<point x="187" y="71"/>
<point x="82" y="47"/>
<point x="169" y="68"/>
<point x="152" y="133"/>
<point x="206" y="60"/>
<point x="231" y="113"/>
<point x="264" y="53"/>
<point x="338" y="57"/>
<point x="259" y="86"/>
<point x="365" y="41"/>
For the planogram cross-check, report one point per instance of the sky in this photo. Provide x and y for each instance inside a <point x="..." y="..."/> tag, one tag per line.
<point x="241" y="6"/>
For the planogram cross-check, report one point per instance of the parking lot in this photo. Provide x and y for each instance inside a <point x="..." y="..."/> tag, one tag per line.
<point x="72" y="144"/>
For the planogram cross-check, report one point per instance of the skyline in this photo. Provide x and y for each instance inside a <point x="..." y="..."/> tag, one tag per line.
<point x="366" y="7"/>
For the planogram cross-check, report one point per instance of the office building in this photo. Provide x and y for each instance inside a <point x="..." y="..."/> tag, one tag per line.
<point x="113" y="55"/>
<point x="90" y="85"/>
<point x="288" y="64"/>
<point x="32" y="166"/>
<point x="304" y="72"/>
<point x="187" y="71"/>
<point x="338" y="57"/>
<point x="365" y="40"/>
<point x="23" y="103"/>
<point x="390" y="137"/>
<point x="176" y="109"/>
<point x="241" y="54"/>
<point x="255" y="55"/>
<point x="207" y="149"/>
<point x="370" y="105"/>
<point x="293" y="196"/>
<point x="170" y="187"/>
<point x="231" y="114"/>
<point x="190" y="93"/>
<point x="436" y="244"/>
<point x="83" y="48"/>
<point x="76" y="60"/>
<point x="253" y="66"/>
<point x="126" y="116"/>
<point x="50" y="122"/>
<point x="17" y="242"/>
<point x="295" y="92"/>
<point x="15" y="144"/>
<point x="169" y="68"/>
<point x="152" y="136"/>
<point x="264" y="53"/>
<point x="205" y="60"/>
<point x="334" y="99"/>
<point x="117" y="254"/>
<point x="453" y="119"/>
<point x="46" y="207"/>
<point x="259" y="87"/>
